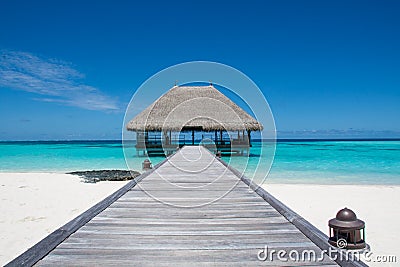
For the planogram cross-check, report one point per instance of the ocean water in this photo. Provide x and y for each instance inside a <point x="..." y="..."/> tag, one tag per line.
<point x="315" y="162"/>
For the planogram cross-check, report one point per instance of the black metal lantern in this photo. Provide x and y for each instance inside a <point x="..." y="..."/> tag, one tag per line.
<point x="146" y="165"/>
<point x="346" y="231"/>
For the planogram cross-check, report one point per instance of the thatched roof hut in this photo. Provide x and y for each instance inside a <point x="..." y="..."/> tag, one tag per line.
<point x="202" y="108"/>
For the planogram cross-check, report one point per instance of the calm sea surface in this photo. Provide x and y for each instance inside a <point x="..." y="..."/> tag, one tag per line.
<point x="318" y="162"/>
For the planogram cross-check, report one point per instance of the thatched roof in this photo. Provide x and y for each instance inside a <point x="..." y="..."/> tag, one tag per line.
<point x="188" y="107"/>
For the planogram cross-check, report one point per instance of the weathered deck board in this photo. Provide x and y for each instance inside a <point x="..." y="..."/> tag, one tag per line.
<point x="191" y="210"/>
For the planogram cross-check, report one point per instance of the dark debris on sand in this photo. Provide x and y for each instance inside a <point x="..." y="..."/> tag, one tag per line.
<point x="105" y="175"/>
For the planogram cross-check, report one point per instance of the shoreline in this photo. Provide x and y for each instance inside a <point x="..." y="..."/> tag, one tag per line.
<point x="274" y="181"/>
<point x="35" y="204"/>
<point x="268" y="182"/>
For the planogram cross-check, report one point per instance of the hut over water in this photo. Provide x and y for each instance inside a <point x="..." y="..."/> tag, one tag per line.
<point x="164" y="125"/>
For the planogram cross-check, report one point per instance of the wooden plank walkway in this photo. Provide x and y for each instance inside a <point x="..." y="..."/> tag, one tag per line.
<point x="190" y="210"/>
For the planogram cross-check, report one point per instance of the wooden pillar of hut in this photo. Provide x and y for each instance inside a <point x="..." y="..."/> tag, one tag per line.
<point x="216" y="138"/>
<point x="192" y="137"/>
<point x="165" y="137"/>
<point x="220" y="135"/>
<point x="138" y="141"/>
<point x="249" y="136"/>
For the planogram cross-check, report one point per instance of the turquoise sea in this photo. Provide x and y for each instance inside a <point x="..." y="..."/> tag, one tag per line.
<point x="316" y="162"/>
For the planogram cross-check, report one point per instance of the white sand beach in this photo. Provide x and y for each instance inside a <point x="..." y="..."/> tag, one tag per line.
<point x="377" y="205"/>
<point x="35" y="204"/>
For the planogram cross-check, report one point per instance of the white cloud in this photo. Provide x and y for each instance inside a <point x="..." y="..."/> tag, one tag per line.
<point x="55" y="80"/>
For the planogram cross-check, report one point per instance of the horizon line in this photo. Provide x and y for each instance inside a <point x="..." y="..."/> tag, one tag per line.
<point x="254" y="139"/>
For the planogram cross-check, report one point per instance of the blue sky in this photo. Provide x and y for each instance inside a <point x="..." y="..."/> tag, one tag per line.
<point x="327" y="68"/>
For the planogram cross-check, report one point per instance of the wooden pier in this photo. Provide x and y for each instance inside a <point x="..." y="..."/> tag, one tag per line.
<point x="190" y="210"/>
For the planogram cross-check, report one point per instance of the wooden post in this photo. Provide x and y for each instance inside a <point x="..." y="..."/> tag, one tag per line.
<point x="192" y="137"/>
<point x="249" y="136"/>
<point x="164" y="137"/>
